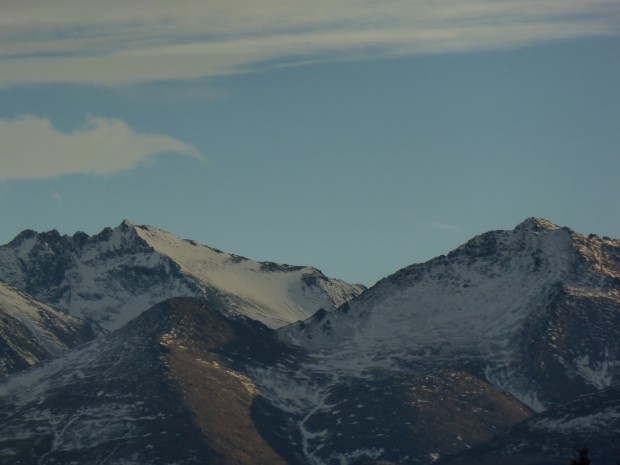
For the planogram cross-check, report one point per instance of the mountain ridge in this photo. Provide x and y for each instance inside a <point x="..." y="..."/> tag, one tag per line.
<point x="111" y="276"/>
<point x="459" y="360"/>
<point x="479" y="301"/>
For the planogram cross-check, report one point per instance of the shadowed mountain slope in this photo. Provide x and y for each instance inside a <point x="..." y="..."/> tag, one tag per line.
<point x="31" y="331"/>
<point x="161" y="390"/>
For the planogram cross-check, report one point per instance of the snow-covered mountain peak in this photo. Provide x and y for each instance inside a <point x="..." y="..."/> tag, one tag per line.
<point x="491" y="300"/>
<point x="30" y="242"/>
<point x="114" y="275"/>
<point x="124" y="237"/>
<point x="477" y="290"/>
<point x="536" y="224"/>
<point x="127" y="223"/>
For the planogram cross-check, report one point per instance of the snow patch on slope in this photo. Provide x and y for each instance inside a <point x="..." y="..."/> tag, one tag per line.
<point x="273" y="294"/>
<point x="598" y="373"/>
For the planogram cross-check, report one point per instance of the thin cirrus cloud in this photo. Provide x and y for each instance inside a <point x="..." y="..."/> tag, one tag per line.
<point x="119" y="43"/>
<point x="443" y="226"/>
<point x="32" y="148"/>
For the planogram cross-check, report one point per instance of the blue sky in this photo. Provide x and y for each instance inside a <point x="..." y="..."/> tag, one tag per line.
<point x="355" y="136"/>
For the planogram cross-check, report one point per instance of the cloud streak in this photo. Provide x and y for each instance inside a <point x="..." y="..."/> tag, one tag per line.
<point x="32" y="148"/>
<point x="119" y="43"/>
<point x="442" y="226"/>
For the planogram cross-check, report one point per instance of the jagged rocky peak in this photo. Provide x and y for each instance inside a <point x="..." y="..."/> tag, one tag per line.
<point x="123" y="236"/>
<point x="52" y="241"/>
<point x="536" y="224"/>
<point x="130" y="228"/>
<point x="114" y="275"/>
<point x="49" y="241"/>
<point x="533" y="246"/>
<point x="586" y="254"/>
<point x="127" y="228"/>
<point x="23" y="236"/>
<point x="534" y="240"/>
<point x="602" y="253"/>
<point x="127" y="223"/>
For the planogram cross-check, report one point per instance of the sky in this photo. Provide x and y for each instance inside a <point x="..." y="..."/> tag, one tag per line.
<point x="355" y="136"/>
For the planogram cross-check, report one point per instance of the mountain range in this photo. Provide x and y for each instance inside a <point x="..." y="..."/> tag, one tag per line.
<point x="148" y="349"/>
<point x="112" y="277"/>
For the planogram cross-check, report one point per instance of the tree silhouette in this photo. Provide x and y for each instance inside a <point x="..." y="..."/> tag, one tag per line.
<point x="582" y="457"/>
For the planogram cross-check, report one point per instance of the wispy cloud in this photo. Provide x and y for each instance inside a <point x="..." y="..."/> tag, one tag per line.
<point x="442" y="226"/>
<point x="33" y="148"/>
<point x="57" y="196"/>
<point x="120" y="43"/>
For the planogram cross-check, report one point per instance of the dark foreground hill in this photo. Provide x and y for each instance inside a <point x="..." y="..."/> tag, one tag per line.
<point x="164" y="389"/>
